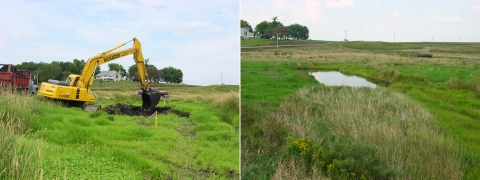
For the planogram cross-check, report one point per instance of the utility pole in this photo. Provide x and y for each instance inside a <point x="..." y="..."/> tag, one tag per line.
<point x="221" y="78"/>
<point x="345" y="35"/>
<point x="460" y="39"/>
<point x="393" y="37"/>
<point x="277" y="40"/>
<point x="37" y="77"/>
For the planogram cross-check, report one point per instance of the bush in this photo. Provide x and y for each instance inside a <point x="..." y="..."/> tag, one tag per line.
<point x="230" y="110"/>
<point x="341" y="159"/>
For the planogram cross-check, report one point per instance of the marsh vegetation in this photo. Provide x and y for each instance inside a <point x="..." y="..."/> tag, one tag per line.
<point x="424" y="125"/>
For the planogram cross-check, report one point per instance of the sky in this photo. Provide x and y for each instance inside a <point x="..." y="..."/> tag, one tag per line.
<point x="373" y="20"/>
<point x="198" y="37"/>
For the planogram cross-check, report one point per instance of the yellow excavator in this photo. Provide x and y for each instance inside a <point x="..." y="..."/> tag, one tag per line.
<point x="76" y="89"/>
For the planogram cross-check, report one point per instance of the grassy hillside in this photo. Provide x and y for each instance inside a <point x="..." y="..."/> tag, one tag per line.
<point x="444" y="88"/>
<point x="50" y="141"/>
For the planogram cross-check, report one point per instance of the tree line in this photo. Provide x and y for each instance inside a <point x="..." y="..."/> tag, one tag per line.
<point x="60" y="70"/>
<point x="167" y="74"/>
<point x="274" y="28"/>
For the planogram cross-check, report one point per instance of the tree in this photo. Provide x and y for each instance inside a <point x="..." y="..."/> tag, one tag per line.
<point x="172" y="75"/>
<point x="274" y="22"/>
<point x="97" y="70"/>
<point x="50" y="71"/>
<point x="132" y="72"/>
<point x="282" y="32"/>
<point x="267" y="29"/>
<point x="299" y="32"/>
<point x="151" y="70"/>
<point x="261" y="28"/>
<point x="79" y="65"/>
<point x="161" y="76"/>
<point x="245" y="24"/>
<point x="152" y="73"/>
<point x="117" y="67"/>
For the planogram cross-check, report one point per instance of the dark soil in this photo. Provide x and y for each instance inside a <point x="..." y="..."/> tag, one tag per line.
<point x="131" y="110"/>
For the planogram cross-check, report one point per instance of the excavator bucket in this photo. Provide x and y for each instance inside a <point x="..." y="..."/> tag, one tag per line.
<point x="150" y="99"/>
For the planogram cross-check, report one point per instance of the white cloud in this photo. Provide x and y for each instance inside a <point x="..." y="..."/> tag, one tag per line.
<point x="393" y="15"/>
<point x="444" y="18"/>
<point x="281" y="3"/>
<point x="340" y="3"/>
<point x="198" y="27"/>
<point x="476" y="8"/>
<point x="377" y="6"/>
<point x="312" y="9"/>
<point x="373" y="15"/>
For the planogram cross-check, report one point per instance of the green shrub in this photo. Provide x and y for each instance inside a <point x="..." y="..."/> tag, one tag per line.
<point x="341" y="159"/>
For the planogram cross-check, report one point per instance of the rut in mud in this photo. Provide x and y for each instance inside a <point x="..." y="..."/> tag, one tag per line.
<point x="131" y="110"/>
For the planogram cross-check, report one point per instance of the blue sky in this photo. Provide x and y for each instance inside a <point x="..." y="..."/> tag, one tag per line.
<point x="198" y="37"/>
<point x="374" y="20"/>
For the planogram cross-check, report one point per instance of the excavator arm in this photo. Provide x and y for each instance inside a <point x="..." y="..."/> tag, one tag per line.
<point x="87" y="76"/>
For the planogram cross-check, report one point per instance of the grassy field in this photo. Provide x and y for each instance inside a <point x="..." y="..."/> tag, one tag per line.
<point x="283" y="107"/>
<point x="45" y="140"/>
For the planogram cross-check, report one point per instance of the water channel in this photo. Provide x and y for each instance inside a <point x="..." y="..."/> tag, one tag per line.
<point x="335" y="78"/>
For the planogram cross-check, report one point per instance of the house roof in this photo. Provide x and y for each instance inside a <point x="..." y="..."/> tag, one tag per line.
<point x="107" y="73"/>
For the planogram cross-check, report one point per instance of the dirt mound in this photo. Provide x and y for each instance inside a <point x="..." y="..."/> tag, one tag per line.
<point x="130" y="110"/>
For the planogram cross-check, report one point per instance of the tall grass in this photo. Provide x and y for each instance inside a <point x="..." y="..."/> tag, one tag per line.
<point x="18" y="157"/>
<point x="406" y="135"/>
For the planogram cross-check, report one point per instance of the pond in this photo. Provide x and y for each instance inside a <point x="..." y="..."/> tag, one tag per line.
<point x="335" y="78"/>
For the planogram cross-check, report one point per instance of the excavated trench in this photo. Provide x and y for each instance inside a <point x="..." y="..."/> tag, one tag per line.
<point x="131" y="110"/>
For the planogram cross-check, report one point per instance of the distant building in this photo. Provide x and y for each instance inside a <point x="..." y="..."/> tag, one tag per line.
<point x="112" y="76"/>
<point x="244" y="33"/>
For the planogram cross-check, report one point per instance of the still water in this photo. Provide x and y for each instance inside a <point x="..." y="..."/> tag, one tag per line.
<point x="334" y="78"/>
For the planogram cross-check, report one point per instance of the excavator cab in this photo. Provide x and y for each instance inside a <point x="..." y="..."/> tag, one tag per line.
<point x="150" y="99"/>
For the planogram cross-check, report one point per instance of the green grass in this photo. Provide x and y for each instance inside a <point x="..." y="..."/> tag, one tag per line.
<point x="271" y="110"/>
<point x="52" y="141"/>
<point x="269" y="81"/>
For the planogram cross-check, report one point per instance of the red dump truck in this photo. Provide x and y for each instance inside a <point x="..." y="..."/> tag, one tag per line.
<point x="12" y="77"/>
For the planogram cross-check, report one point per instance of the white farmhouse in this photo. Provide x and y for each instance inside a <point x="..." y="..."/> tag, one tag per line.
<point x="244" y="33"/>
<point x="112" y="76"/>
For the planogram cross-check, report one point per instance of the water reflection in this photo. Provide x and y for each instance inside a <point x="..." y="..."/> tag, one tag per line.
<point x="334" y="78"/>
